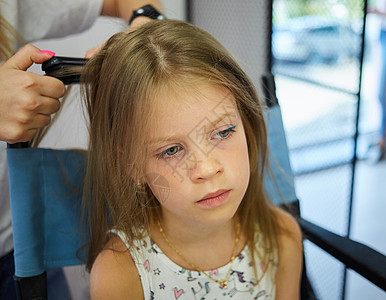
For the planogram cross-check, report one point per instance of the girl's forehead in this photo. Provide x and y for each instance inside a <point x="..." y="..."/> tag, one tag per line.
<point x="205" y="99"/>
<point x="188" y="97"/>
<point x="192" y="109"/>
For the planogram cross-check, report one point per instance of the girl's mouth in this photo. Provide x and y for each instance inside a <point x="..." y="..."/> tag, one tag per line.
<point x="214" y="199"/>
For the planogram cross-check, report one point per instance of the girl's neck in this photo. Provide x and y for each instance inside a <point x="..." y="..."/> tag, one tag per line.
<point x="182" y="232"/>
<point x="208" y="247"/>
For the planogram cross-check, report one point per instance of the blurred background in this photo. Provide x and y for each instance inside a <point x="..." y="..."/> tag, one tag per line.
<point x="328" y="95"/>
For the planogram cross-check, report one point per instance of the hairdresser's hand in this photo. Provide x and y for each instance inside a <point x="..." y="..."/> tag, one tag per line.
<point x="137" y="22"/>
<point x="27" y="99"/>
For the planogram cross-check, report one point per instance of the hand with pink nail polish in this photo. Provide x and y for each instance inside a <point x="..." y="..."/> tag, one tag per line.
<point x="27" y="100"/>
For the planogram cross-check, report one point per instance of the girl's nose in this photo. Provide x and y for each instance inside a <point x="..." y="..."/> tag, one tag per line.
<point x="204" y="167"/>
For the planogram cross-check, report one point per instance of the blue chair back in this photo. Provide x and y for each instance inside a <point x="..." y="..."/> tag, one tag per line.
<point x="45" y="191"/>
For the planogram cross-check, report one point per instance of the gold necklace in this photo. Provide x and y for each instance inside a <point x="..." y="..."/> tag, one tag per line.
<point x="223" y="282"/>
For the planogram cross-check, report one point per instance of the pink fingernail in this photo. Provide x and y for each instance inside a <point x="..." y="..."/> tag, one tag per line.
<point x="48" y="52"/>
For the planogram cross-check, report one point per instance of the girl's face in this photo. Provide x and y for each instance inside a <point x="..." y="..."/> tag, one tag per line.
<point x="198" y="165"/>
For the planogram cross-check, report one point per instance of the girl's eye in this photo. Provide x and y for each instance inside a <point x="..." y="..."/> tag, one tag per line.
<point x="170" y="152"/>
<point x="225" y="133"/>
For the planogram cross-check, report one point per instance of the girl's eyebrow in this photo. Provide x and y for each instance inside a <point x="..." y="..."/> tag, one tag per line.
<point x="179" y="137"/>
<point x="166" y="139"/>
<point x="222" y="117"/>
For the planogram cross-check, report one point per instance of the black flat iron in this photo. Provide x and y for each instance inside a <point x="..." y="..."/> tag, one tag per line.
<point x="60" y="68"/>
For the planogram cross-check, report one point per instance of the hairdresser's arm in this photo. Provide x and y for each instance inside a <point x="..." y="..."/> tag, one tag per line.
<point x="114" y="274"/>
<point x="290" y="258"/>
<point x="26" y="99"/>
<point x="124" y="9"/>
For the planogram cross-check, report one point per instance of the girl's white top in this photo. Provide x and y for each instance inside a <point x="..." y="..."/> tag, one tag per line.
<point x="161" y="278"/>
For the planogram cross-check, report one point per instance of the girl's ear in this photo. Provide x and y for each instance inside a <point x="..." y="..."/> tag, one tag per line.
<point x="141" y="186"/>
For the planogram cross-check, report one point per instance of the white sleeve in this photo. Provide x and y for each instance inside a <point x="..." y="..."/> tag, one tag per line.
<point x="42" y="19"/>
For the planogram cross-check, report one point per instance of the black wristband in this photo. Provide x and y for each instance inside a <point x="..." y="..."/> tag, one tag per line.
<point x="147" y="11"/>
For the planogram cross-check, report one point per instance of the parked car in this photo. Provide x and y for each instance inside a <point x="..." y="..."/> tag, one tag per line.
<point x="311" y="39"/>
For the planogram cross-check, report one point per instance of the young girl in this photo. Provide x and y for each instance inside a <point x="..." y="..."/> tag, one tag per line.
<point x="175" y="193"/>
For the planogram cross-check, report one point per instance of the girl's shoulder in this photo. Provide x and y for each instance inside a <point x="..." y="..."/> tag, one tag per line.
<point x="290" y="256"/>
<point x="114" y="274"/>
<point x="290" y="228"/>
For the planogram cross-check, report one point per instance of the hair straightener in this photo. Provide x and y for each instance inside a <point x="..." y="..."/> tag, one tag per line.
<point x="66" y="69"/>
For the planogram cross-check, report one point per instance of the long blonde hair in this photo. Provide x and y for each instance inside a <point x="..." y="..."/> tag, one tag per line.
<point x="120" y="86"/>
<point x="9" y="37"/>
